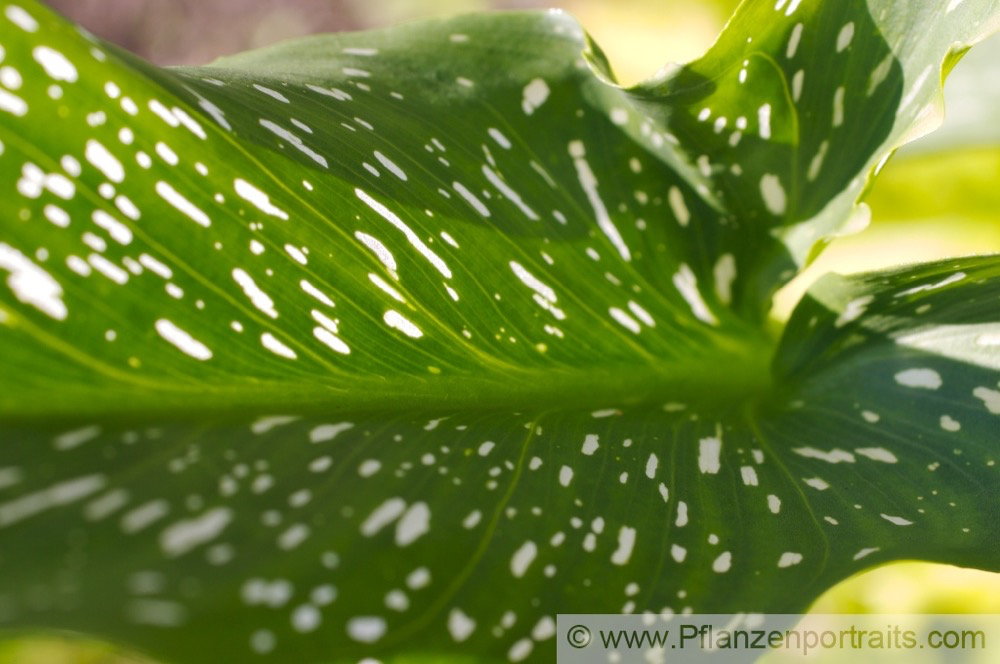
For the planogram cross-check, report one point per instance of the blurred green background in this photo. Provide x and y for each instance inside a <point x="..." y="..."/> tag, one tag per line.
<point x="939" y="197"/>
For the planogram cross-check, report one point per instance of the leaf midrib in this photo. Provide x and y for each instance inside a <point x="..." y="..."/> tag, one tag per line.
<point x="694" y="381"/>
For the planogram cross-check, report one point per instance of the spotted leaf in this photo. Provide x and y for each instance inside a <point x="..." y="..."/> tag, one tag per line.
<point x="402" y="343"/>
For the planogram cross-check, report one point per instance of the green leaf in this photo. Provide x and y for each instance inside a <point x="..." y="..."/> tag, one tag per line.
<point x="904" y="362"/>
<point x="401" y="343"/>
<point x="973" y="93"/>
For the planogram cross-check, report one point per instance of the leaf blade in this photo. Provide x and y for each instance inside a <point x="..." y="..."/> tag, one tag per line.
<point x="648" y="316"/>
